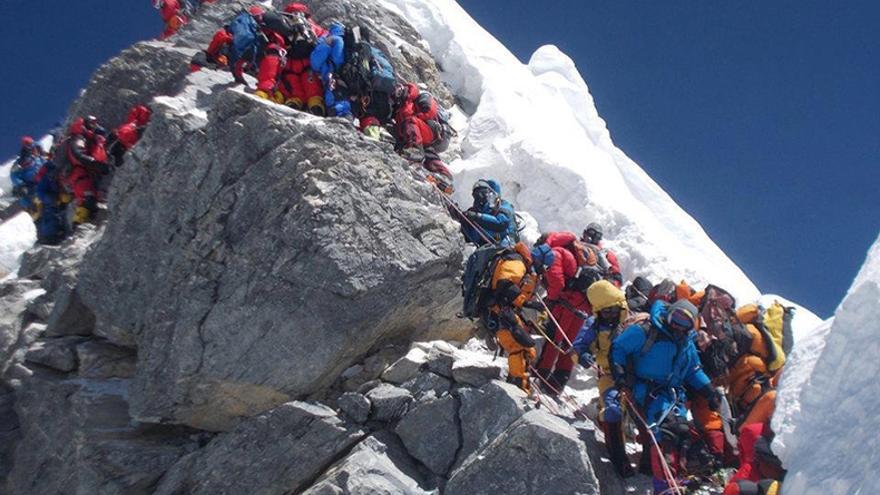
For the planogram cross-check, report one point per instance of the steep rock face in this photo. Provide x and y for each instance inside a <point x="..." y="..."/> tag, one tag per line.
<point x="297" y="243"/>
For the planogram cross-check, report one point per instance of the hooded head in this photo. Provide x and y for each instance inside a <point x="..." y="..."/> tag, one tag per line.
<point x="542" y="257"/>
<point x="681" y="318"/>
<point x="592" y="234"/>
<point x="608" y="302"/>
<point x="483" y="192"/>
<point x="77" y="126"/>
<point x="337" y="29"/>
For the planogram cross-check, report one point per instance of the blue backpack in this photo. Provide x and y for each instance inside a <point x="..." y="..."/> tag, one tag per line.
<point x="245" y="35"/>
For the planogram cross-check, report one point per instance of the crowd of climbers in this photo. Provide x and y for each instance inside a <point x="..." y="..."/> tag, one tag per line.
<point x="62" y="187"/>
<point x="693" y="372"/>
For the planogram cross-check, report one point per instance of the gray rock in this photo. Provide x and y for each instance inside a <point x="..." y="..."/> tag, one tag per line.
<point x="377" y="465"/>
<point x="431" y="433"/>
<point x="486" y="412"/>
<point x="58" y="354"/>
<point x="135" y="76"/>
<point x="276" y="235"/>
<point x="277" y="452"/>
<point x="389" y="403"/>
<point x="475" y="373"/>
<point x="9" y="431"/>
<point x="355" y="406"/>
<point x="405" y="368"/>
<point x="77" y="437"/>
<point x="537" y="454"/>
<point x="99" y="359"/>
<point x="14" y="298"/>
<point x="440" y="359"/>
<point x="428" y="386"/>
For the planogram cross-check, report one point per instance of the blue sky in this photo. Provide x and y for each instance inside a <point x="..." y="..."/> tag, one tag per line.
<point x="762" y="119"/>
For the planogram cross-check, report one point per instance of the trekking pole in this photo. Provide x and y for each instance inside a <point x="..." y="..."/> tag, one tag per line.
<point x="674" y="489"/>
<point x="534" y="326"/>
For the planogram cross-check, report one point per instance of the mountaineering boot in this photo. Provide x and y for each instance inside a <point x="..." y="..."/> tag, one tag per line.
<point x="294" y="103"/>
<point x="316" y="106"/>
<point x="81" y="215"/>
<point x="262" y="94"/>
<point x="617" y="449"/>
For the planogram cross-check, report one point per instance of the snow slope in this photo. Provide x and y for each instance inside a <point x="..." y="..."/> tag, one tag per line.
<point x="827" y="417"/>
<point x="536" y="129"/>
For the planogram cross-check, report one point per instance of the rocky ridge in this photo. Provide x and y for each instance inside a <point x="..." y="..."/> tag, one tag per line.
<point x="241" y="322"/>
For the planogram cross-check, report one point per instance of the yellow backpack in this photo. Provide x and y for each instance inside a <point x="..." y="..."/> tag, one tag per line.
<point x="773" y="322"/>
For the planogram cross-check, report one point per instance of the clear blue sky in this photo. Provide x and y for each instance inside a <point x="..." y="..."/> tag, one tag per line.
<point x="762" y="119"/>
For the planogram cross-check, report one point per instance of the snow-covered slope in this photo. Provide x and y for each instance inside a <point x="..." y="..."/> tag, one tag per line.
<point x="535" y="127"/>
<point x="827" y="417"/>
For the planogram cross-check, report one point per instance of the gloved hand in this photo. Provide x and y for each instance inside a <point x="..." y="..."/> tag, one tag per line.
<point x="550" y="330"/>
<point x="373" y="132"/>
<point x="713" y="398"/>
<point x="472" y="215"/>
<point x="582" y="315"/>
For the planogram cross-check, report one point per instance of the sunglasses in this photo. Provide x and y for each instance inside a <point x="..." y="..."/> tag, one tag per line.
<point x="612" y="312"/>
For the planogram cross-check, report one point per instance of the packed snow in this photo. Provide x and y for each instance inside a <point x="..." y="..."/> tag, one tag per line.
<point x="17" y="235"/>
<point x="535" y="128"/>
<point x="827" y="419"/>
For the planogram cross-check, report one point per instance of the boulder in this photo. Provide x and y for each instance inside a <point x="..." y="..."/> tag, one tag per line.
<point x="355" y="406"/>
<point x="378" y="464"/>
<point x="486" y="412"/>
<point x="476" y="373"/>
<point x="77" y="437"/>
<point x="440" y="359"/>
<point x="428" y="386"/>
<point x="300" y="245"/>
<point x="277" y="452"/>
<point x="431" y="433"/>
<point x="101" y="359"/>
<point x="58" y="354"/>
<point x="537" y="454"/>
<point x="389" y="403"/>
<point x="405" y="368"/>
<point x="14" y="298"/>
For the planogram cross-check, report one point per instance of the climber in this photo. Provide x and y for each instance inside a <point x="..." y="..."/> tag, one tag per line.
<point x="654" y="362"/>
<point x="326" y="59"/>
<point x="592" y="347"/>
<point x="23" y="174"/>
<point x="124" y="137"/>
<point x="51" y="223"/>
<point x="172" y="15"/>
<point x="514" y="280"/>
<point x="637" y="295"/>
<point x="84" y="152"/>
<point x="569" y="307"/>
<point x="300" y="87"/>
<point x="490" y="216"/>
<point x="760" y="472"/>
<point x="592" y="238"/>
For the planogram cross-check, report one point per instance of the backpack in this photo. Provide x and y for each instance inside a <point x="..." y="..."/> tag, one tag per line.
<point x="774" y="323"/>
<point x="440" y="127"/>
<point x="592" y="266"/>
<point x="664" y="291"/>
<point x="366" y="68"/>
<point x="477" y="278"/>
<point x="245" y="38"/>
<point x="301" y="38"/>
<point x="732" y="339"/>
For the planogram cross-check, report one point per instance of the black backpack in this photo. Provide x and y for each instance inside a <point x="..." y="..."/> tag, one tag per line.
<point x="476" y="280"/>
<point x="302" y="39"/>
<point x="366" y="69"/>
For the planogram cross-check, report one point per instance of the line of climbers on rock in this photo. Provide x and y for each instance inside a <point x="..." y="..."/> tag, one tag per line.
<point x="336" y="72"/>
<point x="659" y="351"/>
<point x="62" y="187"/>
<point x="176" y="13"/>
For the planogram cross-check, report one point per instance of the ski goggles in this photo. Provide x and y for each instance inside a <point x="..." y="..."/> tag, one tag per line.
<point x="681" y="320"/>
<point x="610" y="313"/>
